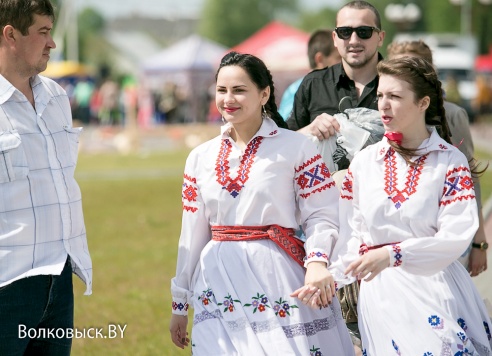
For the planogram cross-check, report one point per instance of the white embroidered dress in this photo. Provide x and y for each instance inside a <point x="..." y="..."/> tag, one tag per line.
<point x="425" y="303"/>
<point x="240" y="289"/>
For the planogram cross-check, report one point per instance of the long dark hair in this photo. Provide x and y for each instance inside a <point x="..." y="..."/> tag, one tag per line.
<point x="423" y="80"/>
<point x="260" y="75"/>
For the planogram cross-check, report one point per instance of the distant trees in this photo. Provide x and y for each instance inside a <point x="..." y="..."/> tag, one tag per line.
<point x="230" y="22"/>
<point x="93" y="47"/>
<point x="443" y="16"/>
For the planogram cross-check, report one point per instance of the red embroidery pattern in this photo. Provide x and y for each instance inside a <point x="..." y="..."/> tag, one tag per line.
<point x="346" y="190"/>
<point x="443" y="147"/>
<point x="180" y="306"/>
<point x="398" y="256"/>
<point x="273" y="133"/>
<point x="222" y="168"/>
<point x="317" y="176"/>
<point x="327" y="186"/>
<point x="308" y="162"/>
<point x="363" y="249"/>
<point x="391" y="179"/>
<point x="458" y="186"/>
<point x="191" y="179"/>
<point x="190" y="208"/>
<point x="313" y="176"/>
<point x="317" y="254"/>
<point x="189" y="193"/>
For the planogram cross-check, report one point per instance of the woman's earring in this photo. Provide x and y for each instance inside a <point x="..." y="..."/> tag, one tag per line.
<point x="224" y="121"/>
<point x="264" y="114"/>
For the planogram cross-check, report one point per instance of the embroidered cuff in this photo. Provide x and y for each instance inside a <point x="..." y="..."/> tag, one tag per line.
<point x="316" y="255"/>
<point x="180" y="306"/>
<point x="396" y="258"/>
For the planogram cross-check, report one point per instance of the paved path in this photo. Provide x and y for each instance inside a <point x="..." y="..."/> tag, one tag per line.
<point x="484" y="280"/>
<point x="482" y="139"/>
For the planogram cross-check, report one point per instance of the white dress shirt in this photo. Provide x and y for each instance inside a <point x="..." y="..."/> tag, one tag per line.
<point x="41" y="219"/>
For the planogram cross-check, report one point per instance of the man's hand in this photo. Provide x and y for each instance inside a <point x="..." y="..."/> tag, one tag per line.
<point x="323" y="126"/>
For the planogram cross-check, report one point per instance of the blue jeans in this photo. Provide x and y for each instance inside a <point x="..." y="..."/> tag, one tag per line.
<point x="30" y="305"/>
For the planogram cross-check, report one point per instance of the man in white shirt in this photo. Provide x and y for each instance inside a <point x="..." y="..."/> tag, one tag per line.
<point x="42" y="232"/>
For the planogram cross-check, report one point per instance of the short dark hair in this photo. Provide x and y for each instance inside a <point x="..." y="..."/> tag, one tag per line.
<point x="20" y="13"/>
<point x="320" y="41"/>
<point x="362" y="5"/>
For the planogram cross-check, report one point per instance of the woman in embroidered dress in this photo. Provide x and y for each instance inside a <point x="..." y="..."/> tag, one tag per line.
<point x="474" y="259"/>
<point x="253" y="289"/>
<point x="407" y="212"/>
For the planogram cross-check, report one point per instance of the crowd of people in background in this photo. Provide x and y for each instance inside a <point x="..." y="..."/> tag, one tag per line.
<point x="110" y="102"/>
<point x="98" y="103"/>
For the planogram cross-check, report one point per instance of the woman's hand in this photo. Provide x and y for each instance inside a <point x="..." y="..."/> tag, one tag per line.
<point x="477" y="262"/>
<point x="372" y="262"/>
<point x="177" y="327"/>
<point x="319" y="286"/>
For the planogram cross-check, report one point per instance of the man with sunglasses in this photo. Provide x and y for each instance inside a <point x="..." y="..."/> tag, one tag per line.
<point x="358" y="36"/>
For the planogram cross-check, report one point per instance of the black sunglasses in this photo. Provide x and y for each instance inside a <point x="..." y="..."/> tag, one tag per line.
<point x="364" y="32"/>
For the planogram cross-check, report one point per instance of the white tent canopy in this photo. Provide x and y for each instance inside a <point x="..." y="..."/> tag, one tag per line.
<point x="191" y="64"/>
<point x="192" y="53"/>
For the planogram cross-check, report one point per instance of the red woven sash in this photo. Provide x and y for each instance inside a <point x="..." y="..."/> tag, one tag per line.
<point x="283" y="237"/>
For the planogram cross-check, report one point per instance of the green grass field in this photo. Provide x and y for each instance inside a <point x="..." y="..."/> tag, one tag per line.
<point x="132" y="207"/>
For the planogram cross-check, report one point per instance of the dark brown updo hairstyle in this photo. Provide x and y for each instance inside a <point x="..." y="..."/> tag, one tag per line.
<point x="423" y="80"/>
<point x="260" y="75"/>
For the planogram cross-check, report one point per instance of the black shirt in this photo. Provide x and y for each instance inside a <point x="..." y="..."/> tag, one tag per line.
<point x="321" y="91"/>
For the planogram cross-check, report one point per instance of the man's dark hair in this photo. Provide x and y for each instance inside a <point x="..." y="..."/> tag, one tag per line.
<point x="362" y="5"/>
<point x="20" y="13"/>
<point x="320" y="41"/>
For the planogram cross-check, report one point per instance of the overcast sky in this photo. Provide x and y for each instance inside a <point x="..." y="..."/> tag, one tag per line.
<point x="166" y="8"/>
